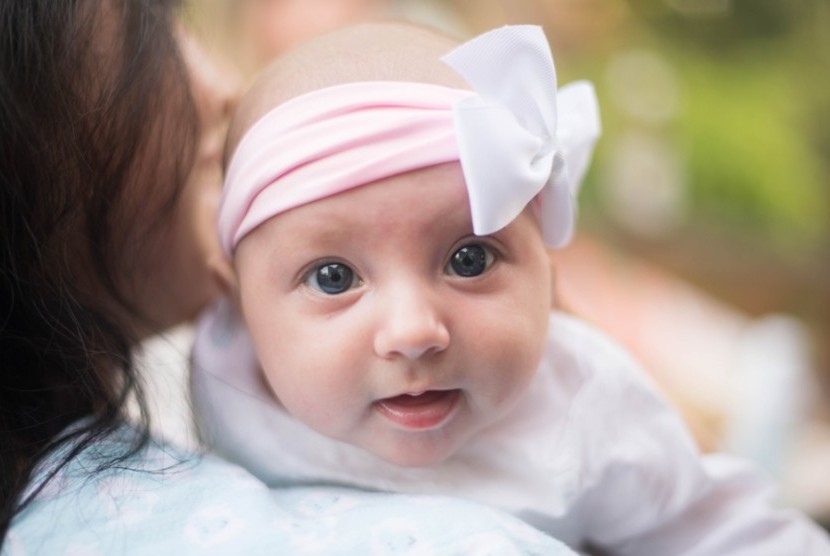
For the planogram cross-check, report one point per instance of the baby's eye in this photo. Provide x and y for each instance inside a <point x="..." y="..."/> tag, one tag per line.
<point x="331" y="278"/>
<point x="471" y="260"/>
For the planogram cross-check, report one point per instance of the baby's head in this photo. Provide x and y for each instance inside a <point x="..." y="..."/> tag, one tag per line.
<point x="392" y="305"/>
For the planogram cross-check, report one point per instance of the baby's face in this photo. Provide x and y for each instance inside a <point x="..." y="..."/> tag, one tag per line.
<point x="382" y="321"/>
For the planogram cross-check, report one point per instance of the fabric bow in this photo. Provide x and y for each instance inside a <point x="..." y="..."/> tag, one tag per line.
<point x="519" y="138"/>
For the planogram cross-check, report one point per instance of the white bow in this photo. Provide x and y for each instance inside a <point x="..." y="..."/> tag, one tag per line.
<point x="514" y="142"/>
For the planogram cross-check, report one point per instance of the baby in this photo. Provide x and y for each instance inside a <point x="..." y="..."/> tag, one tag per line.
<point x="386" y="214"/>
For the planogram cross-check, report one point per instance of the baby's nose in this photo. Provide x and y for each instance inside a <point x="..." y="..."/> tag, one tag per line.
<point x="411" y="327"/>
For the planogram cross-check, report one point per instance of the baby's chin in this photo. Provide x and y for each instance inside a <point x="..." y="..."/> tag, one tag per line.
<point x="418" y="452"/>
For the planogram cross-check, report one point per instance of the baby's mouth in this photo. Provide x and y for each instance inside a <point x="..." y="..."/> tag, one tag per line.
<point x="419" y="411"/>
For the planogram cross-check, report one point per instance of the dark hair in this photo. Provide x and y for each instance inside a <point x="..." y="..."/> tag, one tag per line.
<point x="96" y="116"/>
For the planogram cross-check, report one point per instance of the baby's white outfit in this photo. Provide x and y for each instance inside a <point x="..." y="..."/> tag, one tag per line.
<point x="592" y="454"/>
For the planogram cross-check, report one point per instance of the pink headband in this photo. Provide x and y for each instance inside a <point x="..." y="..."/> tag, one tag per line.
<point x="506" y="134"/>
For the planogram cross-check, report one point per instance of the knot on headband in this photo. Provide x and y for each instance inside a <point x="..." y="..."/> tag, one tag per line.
<point x="514" y="135"/>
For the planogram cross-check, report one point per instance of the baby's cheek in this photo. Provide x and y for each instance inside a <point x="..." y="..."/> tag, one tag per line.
<point x="316" y="388"/>
<point x="513" y="359"/>
<point x="305" y="399"/>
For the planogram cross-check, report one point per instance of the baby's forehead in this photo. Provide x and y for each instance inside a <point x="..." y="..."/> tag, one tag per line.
<point x="427" y="197"/>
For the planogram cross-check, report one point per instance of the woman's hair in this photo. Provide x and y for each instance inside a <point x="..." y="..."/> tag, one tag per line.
<point x="97" y="124"/>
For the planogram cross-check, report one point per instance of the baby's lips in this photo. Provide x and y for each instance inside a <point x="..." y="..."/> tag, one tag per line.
<point x="421" y="410"/>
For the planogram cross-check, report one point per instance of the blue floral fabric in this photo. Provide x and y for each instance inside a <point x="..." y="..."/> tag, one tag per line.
<point x="165" y="502"/>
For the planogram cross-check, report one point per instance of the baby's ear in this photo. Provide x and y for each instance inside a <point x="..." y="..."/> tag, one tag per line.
<point x="223" y="274"/>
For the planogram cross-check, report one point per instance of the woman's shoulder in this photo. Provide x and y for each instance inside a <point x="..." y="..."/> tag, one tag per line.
<point x="165" y="501"/>
<point x="160" y="497"/>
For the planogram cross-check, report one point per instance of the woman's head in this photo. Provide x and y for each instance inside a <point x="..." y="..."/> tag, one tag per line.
<point x="101" y="132"/>
<point x="172" y="282"/>
<point x="101" y="165"/>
